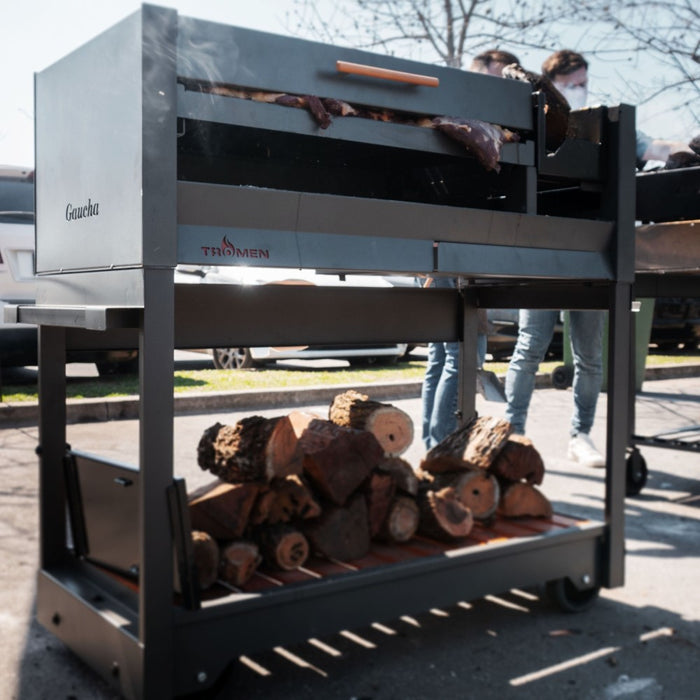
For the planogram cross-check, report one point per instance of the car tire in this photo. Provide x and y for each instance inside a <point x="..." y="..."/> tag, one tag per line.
<point x="369" y="361"/>
<point x="111" y="368"/>
<point x="233" y="358"/>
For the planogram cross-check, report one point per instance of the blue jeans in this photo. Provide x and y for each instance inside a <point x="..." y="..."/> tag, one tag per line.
<point x="534" y="336"/>
<point x="440" y="392"/>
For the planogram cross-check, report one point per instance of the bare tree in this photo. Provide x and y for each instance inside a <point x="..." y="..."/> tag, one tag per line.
<point x="665" y="34"/>
<point x="645" y="52"/>
<point x="437" y="31"/>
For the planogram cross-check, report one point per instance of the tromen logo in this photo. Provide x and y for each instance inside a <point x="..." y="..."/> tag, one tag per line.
<point x="230" y="250"/>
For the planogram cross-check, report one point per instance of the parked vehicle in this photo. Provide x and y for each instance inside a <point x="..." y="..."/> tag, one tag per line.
<point x="244" y="358"/>
<point x="18" y="342"/>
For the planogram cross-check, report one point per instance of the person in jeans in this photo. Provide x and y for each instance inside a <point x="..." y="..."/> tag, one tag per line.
<point x="440" y="389"/>
<point x="536" y="328"/>
<point x="568" y="71"/>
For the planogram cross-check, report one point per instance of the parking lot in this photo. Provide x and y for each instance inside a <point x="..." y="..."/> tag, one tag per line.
<point x="641" y="640"/>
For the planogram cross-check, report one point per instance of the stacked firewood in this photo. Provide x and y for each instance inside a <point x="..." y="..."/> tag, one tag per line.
<point x="479" y="471"/>
<point x="300" y="484"/>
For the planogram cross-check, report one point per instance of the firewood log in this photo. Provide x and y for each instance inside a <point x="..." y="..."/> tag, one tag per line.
<point x="336" y="459"/>
<point x="293" y="499"/>
<point x="519" y="461"/>
<point x="284" y="500"/>
<point x="341" y="532"/>
<point x="404" y="476"/>
<point x="239" y="561"/>
<point x="262" y="507"/>
<point x="283" y="546"/>
<point x="379" y="492"/>
<point x="476" y="489"/>
<point x="402" y="520"/>
<point x="475" y="445"/>
<point x="205" y="553"/>
<point x="392" y="427"/>
<point x="442" y="515"/>
<point x="221" y="509"/>
<point x="255" y="449"/>
<point x="520" y="499"/>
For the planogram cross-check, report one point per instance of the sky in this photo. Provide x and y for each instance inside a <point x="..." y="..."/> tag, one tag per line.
<point x="36" y="33"/>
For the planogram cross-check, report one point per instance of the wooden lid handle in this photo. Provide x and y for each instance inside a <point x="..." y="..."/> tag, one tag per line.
<point x="386" y="74"/>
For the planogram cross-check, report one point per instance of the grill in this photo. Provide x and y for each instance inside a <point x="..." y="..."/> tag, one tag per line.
<point x="667" y="261"/>
<point x="158" y="144"/>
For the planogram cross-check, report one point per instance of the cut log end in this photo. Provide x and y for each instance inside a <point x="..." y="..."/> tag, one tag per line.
<point x="402" y="521"/>
<point x="283" y="547"/>
<point x="476" y="489"/>
<point x="392" y="427"/>
<point x="443" y="516"/>
<point x="521" y="500"/>
<point x="205" y="552"/>
<point x="239" y="561"/>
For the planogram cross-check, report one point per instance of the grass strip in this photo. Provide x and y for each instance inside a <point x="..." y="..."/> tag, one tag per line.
<point x="275" y="377"/>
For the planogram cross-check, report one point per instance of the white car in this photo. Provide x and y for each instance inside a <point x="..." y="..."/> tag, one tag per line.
<point x="244" y="358"/>
<point x="18" y="342"/>
<point x="17" y="285"/>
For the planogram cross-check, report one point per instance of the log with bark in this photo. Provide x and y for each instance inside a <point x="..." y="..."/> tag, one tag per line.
<point x="336" y="459"/>
<point x="283" y="546"/>
<point x="442" y="515"/>
<point x="402" y="472"/>
<point x="519" y="461"/>
<point x="379" y="490"/>
<point x="402" y="520"/>
<point x="473" y="446"/>
<point x="255" y="449"/>
<point x="475" y="488"/>
<point x="284" y="500"/>
<point x="341" y="532"/>
<point x="223" y="510"/>
<point x="205" y="554"/>
<point x="239" y="561"/>
<point x="520" y="499"/>
<point x="392" y="427"/>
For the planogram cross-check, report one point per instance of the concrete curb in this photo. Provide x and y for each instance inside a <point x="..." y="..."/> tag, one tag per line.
<point x="94" y="410"/>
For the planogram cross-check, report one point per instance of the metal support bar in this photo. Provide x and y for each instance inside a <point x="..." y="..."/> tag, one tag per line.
<point x="52" y="446"/>
<point x="156" y="370"/>
<point x="467" y="357"/>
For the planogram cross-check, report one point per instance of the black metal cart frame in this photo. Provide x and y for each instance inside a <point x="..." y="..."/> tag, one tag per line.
<point x="113" y="121"/>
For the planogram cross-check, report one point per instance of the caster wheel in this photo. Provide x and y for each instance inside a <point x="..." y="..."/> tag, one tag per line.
<point x="562" y="377"/>
<point x="569" y="598"/>
<point x="637" y="473"/>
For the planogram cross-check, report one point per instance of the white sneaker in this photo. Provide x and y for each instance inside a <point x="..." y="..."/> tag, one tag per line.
<point x="582" y="450"/>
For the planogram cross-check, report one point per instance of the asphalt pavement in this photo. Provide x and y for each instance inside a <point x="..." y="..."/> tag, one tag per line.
<point x="638" y="641"/>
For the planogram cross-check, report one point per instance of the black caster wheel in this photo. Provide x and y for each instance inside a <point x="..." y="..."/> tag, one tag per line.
<point x="570" y="599"/>
<point x="636" y="474"/>
<point x="562" y="377"/>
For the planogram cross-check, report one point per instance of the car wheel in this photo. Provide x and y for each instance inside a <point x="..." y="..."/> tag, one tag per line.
<point x="367" y="361"/>
<point x="111" y="368"/>
<point x="232" y="358"/>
